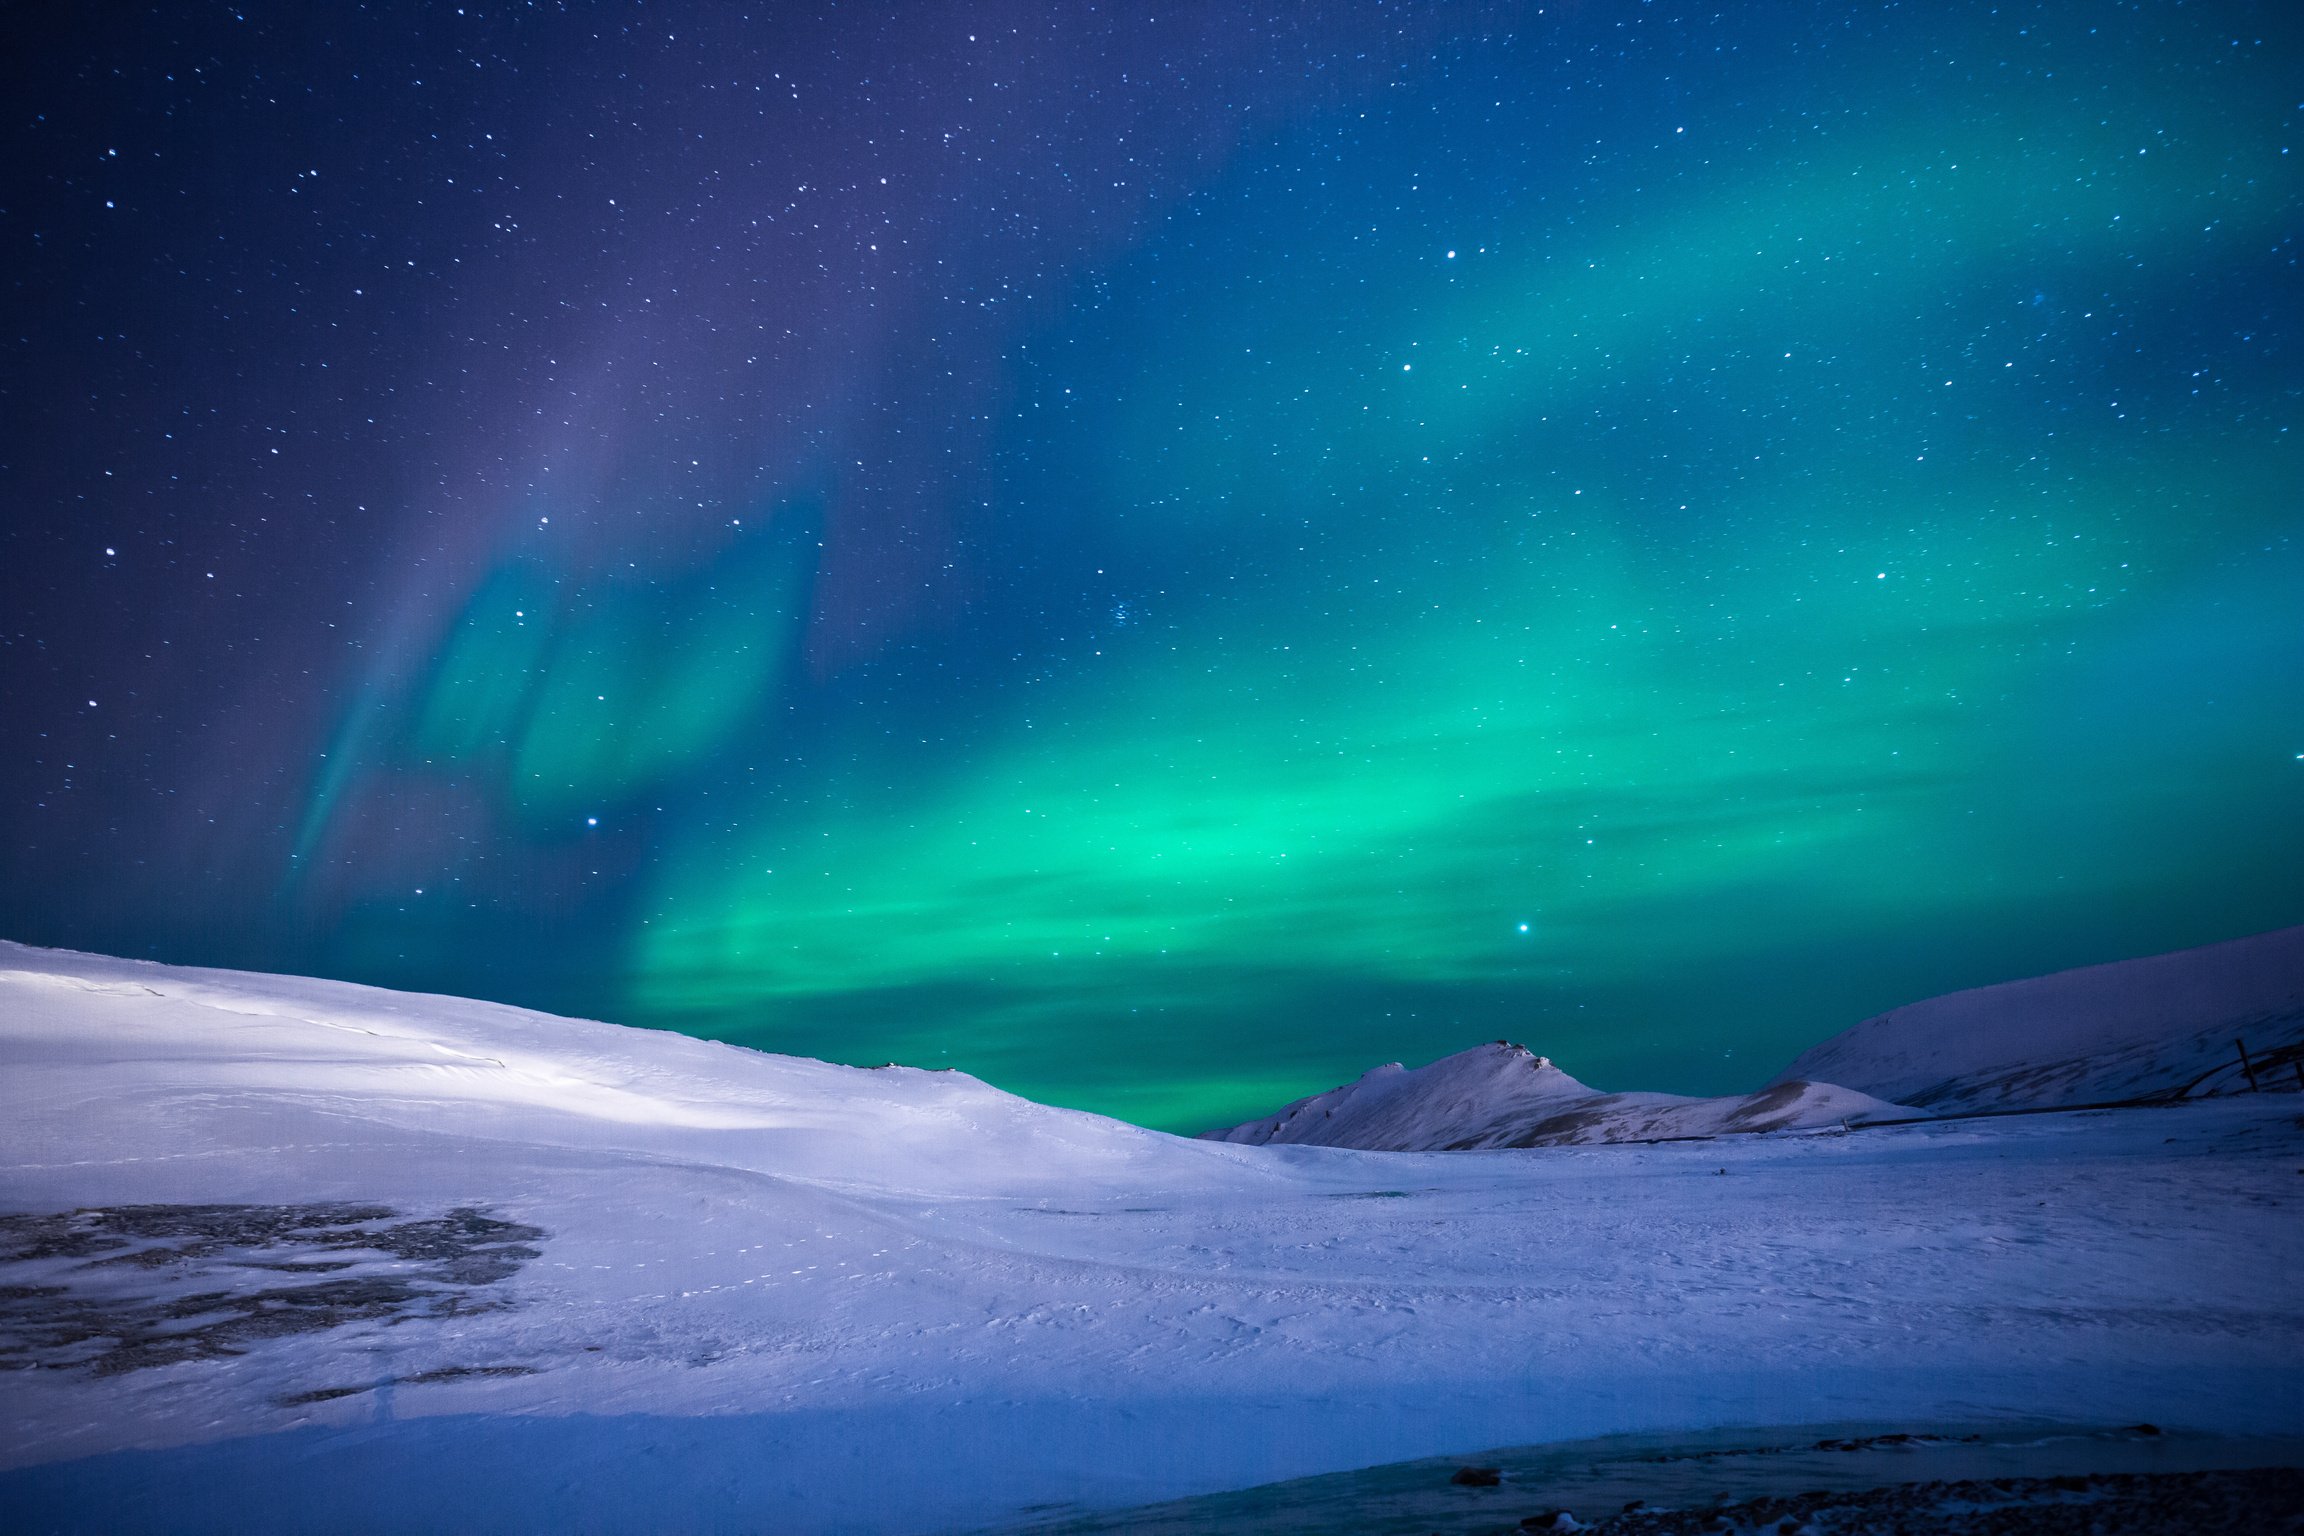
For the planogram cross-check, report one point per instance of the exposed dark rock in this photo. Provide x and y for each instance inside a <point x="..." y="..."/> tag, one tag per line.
<point x="2265" y="1502"/>
<point x="320" y="1395"/>
<point x="465" y="1373"/>
<point x="123" y="1288"/>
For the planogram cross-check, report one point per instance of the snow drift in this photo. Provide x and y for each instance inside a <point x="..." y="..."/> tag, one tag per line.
<point x="1505" y="1095"/>
<point x="2166" y="1026"/>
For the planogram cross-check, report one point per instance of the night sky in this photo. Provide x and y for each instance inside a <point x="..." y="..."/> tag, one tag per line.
<point x="1161" y="555"/>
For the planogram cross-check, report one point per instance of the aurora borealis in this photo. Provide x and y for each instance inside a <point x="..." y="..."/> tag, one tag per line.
<point x="1162" y="557"/>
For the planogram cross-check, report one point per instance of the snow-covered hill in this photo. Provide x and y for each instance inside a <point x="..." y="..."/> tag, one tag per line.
<point x="2166" y="1026"/>
<point x="1504" y="1095"/>
<point x="2169" y="1025"/>
<point x="286" y="1255"/>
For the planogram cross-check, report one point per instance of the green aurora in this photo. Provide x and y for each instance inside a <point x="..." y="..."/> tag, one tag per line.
<point x="1657" y="604"/>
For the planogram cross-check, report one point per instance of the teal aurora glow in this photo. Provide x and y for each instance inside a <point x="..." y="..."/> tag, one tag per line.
<point x="1651" y="535"/>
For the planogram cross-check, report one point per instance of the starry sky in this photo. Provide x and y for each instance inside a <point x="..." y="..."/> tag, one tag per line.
<point x="1160" y="554"/>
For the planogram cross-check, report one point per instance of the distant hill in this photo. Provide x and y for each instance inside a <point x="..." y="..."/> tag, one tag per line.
<point x="1504" y="1095"/>
<point x="2166" y="1025"/>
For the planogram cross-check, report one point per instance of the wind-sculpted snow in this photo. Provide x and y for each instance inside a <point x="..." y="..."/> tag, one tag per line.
<point x="608" y="1279"/>
<point x="1504" y="1095"/>
<point x="2165" y="1026"/>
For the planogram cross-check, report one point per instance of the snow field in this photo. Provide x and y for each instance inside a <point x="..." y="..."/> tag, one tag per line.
<point x="776" y="1294"/>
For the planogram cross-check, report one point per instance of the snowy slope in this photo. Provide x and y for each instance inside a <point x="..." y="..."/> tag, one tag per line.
<point x="1504" y="1095"/>
<point x="292" y="1255"/>
<point x="2162" y="1025"/>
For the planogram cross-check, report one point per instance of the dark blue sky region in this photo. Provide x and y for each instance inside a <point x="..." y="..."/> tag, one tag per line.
<point x="1160" y="555"/>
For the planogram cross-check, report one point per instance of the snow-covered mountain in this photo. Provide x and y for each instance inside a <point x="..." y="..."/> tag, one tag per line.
<point x="1504" y="1095"/>
<point x="287" y="1255"/>
<point x="2167" y="1025"/>
<point x="2164" y="1026"/>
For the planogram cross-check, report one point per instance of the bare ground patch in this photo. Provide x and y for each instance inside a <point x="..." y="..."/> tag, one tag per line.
<point x="112" y="1289"/>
